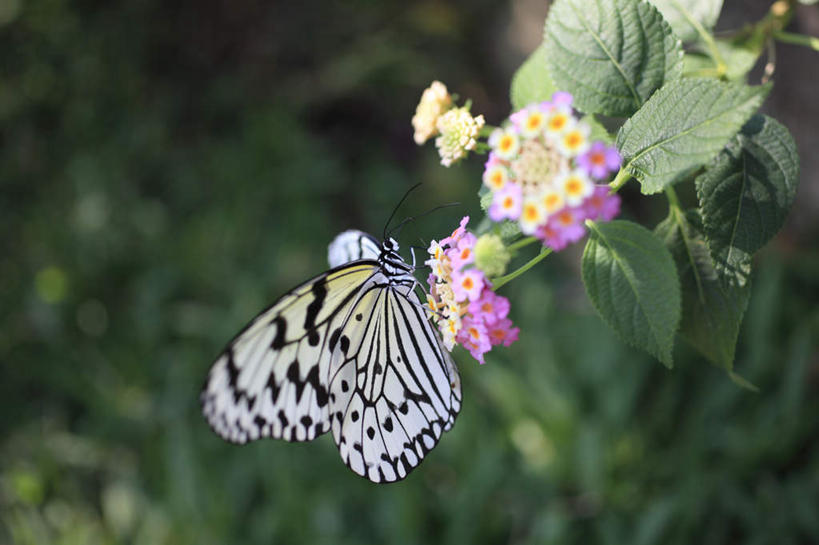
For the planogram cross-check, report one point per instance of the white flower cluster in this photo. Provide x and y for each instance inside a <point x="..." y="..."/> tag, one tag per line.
<point x="459" y="133"/>
<point x="434" y="102"/>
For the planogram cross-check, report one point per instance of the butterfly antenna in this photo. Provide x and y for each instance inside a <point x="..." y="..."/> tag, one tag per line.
<point x="413" y="218"/>
<point x="397" y="206"/>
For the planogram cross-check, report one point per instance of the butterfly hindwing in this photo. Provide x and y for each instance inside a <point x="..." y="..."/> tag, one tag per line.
<point x="394" y="391"/>
<point x="271" y="380"/>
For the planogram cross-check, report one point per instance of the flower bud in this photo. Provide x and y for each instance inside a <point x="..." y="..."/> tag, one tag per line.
<point x="491" y="256"/>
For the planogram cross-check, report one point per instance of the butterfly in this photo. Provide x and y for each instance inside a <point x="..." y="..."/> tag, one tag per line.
<point x="350" y="351"/>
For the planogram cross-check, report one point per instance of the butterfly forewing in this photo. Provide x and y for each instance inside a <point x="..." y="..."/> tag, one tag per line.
<point x="271" y="380"/>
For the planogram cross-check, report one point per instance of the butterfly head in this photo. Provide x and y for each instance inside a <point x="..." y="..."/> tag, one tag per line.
<point x="389" y="245"/>
<point x="391" y="261"/>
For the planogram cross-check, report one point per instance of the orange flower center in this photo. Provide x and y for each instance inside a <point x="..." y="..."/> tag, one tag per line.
<point x="467" y="283"/>
<point x="552" y="200"/>
<point x="530" y="213"/>
<point x="508" y="202"/>
<point x="465" y="253"/>
<point x="486" y="307"/>
<point x="597" y="159"/>
<point x="506" y="143"/>
<point x="497" y="179"/>
<point x="533" y="122"/>
<point x="566" y="218"/>
<point x="573" y="140"/>
<point x="573" y="186"/>
<point x="474" y="332"/>
<point x="557" y="122"/>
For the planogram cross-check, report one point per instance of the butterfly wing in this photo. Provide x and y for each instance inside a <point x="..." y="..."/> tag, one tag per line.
<point x="271" y="380"/>
<point x="393" y="388"/>
<point x="352" y="245"/>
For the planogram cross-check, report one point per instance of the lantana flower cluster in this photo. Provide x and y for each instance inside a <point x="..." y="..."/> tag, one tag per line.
<point x="456" y="129"/>
<point x="542" y="172"/>
<point x="463" y="305"/>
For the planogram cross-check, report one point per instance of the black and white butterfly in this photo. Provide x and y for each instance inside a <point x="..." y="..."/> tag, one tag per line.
<point x="351" y="350"/>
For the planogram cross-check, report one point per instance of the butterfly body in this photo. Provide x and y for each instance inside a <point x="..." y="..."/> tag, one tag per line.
<point x="350" y="351"/>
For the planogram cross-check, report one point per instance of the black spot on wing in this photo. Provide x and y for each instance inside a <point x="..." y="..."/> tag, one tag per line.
<point x="273" y="387"/>
<point x="318" y="387"/>
<point x="319" y="291"/>
<point x="281" y="329"/>
<point x="295" y="379"/>
<point x="331" y="343"/>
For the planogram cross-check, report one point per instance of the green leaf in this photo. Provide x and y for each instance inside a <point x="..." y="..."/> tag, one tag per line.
<point x="531" y="83"/>
<point x="697" y="64"/>
<point x="682" y="127"/>
<point x="747" y="192"/>
<point x="610" y="55"/>
<point x="632" y="282"/>
<point x="739" y="56"/>
<point x="685" y="16"/>
<point x="712" y="310"/>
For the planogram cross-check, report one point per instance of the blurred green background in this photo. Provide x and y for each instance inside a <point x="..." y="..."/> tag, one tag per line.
<point x="169" y="168"/>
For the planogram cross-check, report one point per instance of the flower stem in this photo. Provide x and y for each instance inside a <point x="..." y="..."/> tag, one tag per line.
<point x="498" y="282"/>
<point x="673" y="201"/>
<point x="713" y="50"/>
<point x="619" y="180"/>
<point x="525" y="241"/>
<point x="797" y="39"/>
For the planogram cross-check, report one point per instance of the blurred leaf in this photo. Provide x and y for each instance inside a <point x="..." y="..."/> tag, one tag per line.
<point x="685" y="15"/>
<point x="631" y="280"/>
<point x="683" y="126"/>
<point x="532" y="83"/>
<point x="711" y="310"/>
<point x="610" y="55"/>
<point x="739" y="57"/>
<point x="746" y="194"/>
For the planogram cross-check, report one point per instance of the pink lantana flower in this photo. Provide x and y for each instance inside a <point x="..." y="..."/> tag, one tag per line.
<point x="563" y="228"/>
<point x="467" y="284"/>
<point x="600" y="160"/>
<point x="463" y="254"/>
<point x="456" y="235"/>
<point x="502" y="332"/>
<point x="461" y="301"/>
<point x="562" y="98"/>
<point x="474" y="337"/>
<point x="602" y="205"/>
<point x="490" y="307"/>
<point x="506" y="203"/>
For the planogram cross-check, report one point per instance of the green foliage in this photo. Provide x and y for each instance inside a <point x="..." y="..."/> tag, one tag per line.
<point x="685" y="16"/>
<point x="610" y="55"/>
<point x="168" y="170"/>
<point x="631" y="280"/>
<point x="683" y="126"/>
<point x="739" y="56"/>
<point x="531" y="83"/>
<point x="711" y="309"/>
<point x="746" y="194"/>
